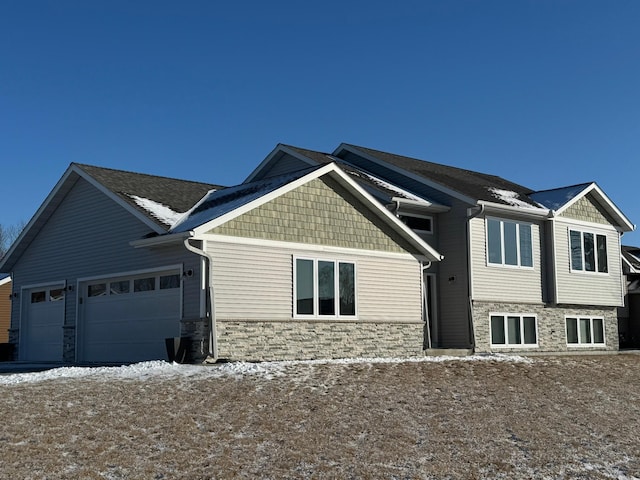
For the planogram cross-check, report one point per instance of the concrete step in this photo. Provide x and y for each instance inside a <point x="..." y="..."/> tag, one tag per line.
<point x="448" y="352"/>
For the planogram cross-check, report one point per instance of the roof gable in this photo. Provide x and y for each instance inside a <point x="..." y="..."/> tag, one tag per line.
<point x="568" y="200"/>
<point x="128" y="189"/>
<point x="221" y="207"/>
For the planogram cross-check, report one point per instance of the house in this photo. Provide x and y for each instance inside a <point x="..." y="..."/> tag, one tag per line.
<point x="523" y="270"/>
<point x="629" y="314"/>
<point x="305" y="264"/>
<point x="5" y="307"/>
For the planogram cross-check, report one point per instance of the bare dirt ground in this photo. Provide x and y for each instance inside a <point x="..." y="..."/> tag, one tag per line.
<point x="564" y="417"/>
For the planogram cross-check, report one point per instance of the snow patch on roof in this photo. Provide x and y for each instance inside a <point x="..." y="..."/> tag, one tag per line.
<point x="388" y="186"/>
<point x="510" y="198"/>
<point x="159" y="211"/>
<point x="220" y="202"/>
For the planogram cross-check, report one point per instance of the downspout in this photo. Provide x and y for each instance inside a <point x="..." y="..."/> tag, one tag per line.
<point x="212" y="353"/>
<point x="479" y="211"/>
<point x="426" y="266"/>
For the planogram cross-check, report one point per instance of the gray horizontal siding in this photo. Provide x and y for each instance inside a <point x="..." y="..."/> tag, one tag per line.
<point x="505" y="284"/>
<point x="89" y="235"/>
<point x="256" y="283"/>
<point x="588" y="288"/>
<point x="285" y="164"/>
<point x="453" y="280"/>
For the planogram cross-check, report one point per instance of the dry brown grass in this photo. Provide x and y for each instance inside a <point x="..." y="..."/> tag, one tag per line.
<point x="571" y="417"/>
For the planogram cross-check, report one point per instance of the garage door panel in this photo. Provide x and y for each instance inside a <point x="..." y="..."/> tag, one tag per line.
<point x="129" y="327"/>
<point x="41" y="335"/>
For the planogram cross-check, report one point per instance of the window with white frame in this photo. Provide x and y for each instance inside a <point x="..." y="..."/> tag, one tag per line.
<point x="585" y="330"/>
<point x="509" y="243"/>
<point x="419" y="223"/>
<point x="324" y="288"/>
<point x="588" y="252"/>
<point x="513" y="330"/>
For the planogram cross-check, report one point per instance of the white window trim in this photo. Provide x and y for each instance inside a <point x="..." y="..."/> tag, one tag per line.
<point x="417" y="215"/>
<point x="506" y="333"/>
<point x="336" y="286"/>
<point x="502" y="249"/>
<point x="595" y="234"/>
<point x="580" y="343"/>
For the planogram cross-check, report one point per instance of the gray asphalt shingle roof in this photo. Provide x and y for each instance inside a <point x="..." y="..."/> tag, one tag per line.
<point x="475" y="185"/>
<point x="178" y="195"/>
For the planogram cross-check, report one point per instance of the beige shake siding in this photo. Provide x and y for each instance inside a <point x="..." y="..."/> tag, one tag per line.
<point x="501" y="283"/>
<point x="319" y="212"/>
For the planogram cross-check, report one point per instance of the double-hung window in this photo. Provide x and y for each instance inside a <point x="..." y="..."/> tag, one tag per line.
<point x="513" y="330"/>
<point x="324" y="288"/>
<point x="509" y="243"/>
<point x="588" y="252"/>
<point x="585" y="331"/>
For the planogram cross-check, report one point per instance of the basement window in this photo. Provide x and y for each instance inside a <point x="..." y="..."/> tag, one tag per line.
<point x="513" y="330"/>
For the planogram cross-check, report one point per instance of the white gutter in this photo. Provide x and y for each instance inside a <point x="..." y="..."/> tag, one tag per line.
<point x="527" y="211"/>
<point x="212" y="354"/>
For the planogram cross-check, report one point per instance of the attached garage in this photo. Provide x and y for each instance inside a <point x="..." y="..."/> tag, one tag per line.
<point x="41" y="336"/>
<point x="127" y="318"/>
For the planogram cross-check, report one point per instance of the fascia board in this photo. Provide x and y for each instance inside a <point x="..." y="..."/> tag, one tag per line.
<point x="406" y="173"/>
<point x="513" y="210"/>
<point x="113" y="196"/>
<point x="280" y="148"/>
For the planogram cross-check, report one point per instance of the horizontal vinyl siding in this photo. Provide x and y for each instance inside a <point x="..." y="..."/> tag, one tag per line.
<point x="256" y="283"/>
<point x="285" y="164"/>
<point x="505" y="284"/>
<point x="453" y="315"/>
<point x="88" y="235"/>
<point x="588" y="288"/>
<point x="5" y="311"/>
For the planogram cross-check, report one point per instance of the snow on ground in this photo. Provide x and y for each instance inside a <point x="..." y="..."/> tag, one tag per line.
<point x="160" y="369"/>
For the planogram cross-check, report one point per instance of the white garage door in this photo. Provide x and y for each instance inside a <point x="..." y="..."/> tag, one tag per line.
<point x="127" y="319"/>
<point x="41" y="330"/>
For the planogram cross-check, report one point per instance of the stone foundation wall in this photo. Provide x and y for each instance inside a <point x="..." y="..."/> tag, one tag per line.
<point x="300" y="340"/>
<point x="552" y="335"/>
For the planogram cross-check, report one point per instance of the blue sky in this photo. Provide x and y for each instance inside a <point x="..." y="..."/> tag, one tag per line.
<point x="545" y="93"/>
